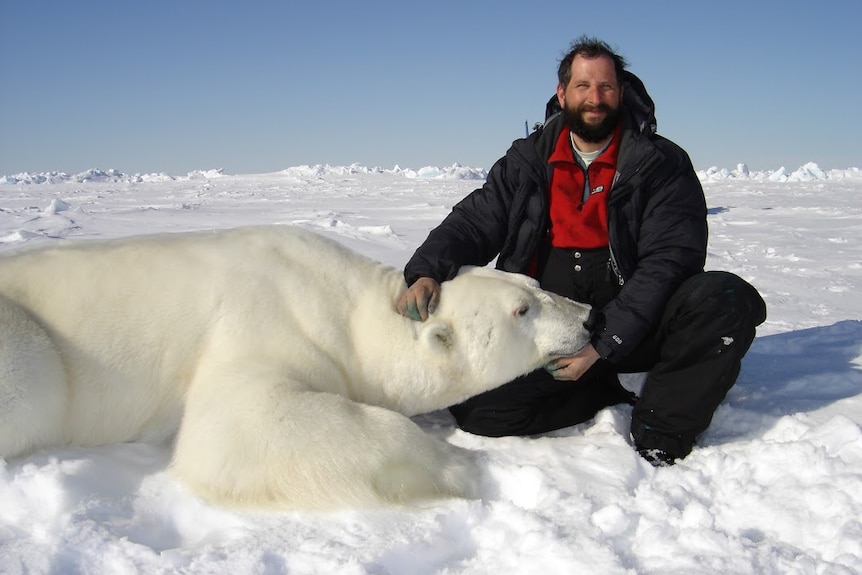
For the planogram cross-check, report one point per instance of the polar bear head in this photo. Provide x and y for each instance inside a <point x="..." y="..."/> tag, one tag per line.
<point x="491" y="327"/>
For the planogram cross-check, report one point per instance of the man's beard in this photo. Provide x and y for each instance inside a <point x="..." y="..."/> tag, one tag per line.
<point x="592" y="133"/>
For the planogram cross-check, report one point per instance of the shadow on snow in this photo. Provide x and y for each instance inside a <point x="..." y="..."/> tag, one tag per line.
<point x="795" y="372"/>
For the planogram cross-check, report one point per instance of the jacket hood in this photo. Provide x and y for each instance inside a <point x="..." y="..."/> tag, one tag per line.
<point x="636" y="102"/>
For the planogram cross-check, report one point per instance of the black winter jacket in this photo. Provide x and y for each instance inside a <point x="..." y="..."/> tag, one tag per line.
<point x="656" y="221"/>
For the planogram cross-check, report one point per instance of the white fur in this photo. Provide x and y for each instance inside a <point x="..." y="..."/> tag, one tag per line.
<point x="274" y="355"/>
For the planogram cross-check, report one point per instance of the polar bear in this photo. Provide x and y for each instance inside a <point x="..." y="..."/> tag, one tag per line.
<point x="271" y="356"/>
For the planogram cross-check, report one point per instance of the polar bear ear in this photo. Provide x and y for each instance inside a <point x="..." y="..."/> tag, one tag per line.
<point x="437" y="335"/>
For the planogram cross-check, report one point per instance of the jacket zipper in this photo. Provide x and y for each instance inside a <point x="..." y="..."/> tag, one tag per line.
<point x="612" y="261"/>
<point x="612" y="266"/>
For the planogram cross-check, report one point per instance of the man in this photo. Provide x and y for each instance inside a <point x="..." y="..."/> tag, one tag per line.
<point x="601" y="209"/>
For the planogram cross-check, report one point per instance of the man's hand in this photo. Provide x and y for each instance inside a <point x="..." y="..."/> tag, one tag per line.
<point x="573" y="367"/>
<point x="420" y="299"/>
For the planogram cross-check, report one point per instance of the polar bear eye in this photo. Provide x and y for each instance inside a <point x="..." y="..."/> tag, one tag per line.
<point x="522" y="309"/>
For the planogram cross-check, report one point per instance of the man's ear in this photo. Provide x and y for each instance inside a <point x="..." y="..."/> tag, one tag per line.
<point x="436" y="335"/>
<point x="561" y="95"/>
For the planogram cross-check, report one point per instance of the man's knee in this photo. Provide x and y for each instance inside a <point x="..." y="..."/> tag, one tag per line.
<point x="490" y="421"/>
<point x="723" y="296"/>
<point x="537" y="404"/>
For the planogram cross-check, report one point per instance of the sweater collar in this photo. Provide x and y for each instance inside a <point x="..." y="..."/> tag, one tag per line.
<point x="563" y="151"/>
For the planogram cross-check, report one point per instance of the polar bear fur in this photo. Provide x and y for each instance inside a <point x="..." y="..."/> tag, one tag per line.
<point x="272" y="356"/>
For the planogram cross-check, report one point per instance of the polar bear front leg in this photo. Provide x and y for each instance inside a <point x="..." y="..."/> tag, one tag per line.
<point x="263" y="444"/>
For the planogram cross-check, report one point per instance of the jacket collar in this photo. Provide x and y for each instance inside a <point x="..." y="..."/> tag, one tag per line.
<point x="563" y="151"/>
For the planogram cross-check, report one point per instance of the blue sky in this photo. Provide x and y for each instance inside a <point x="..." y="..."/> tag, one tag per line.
<point x="258" y="86"/>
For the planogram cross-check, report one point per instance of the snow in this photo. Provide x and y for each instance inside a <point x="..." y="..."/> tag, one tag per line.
<point x="774" y="486"/>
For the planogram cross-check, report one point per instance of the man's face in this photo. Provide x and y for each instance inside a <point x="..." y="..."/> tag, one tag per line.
<point x="591" y="101"/>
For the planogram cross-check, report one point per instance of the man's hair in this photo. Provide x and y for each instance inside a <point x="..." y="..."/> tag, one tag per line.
<point x="589" y="47"/>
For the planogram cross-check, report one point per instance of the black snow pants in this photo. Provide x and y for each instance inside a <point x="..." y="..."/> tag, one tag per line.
<point x="692" y="358"/>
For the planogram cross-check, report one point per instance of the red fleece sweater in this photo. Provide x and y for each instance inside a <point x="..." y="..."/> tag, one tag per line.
<point x="577" y="222"/>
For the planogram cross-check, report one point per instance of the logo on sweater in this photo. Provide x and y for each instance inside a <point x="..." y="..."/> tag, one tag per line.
<point x="597" y="189"/>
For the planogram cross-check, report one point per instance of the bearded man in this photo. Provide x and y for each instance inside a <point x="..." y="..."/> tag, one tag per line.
<point x="601" y="209"/>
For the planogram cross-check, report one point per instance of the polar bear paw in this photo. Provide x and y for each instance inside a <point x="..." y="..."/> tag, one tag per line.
<point x="453" y="473"/>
